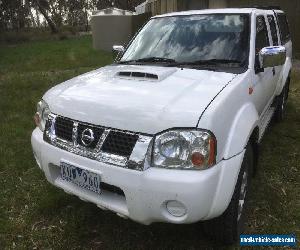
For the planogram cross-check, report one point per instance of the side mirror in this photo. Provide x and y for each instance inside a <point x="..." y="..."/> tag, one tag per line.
<point x="117" y="50"/>
<point x="272" y="56"/>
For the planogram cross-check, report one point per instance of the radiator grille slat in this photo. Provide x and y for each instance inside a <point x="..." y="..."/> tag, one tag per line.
<point x="119" y="143"/>
<point x="63" y="128"/>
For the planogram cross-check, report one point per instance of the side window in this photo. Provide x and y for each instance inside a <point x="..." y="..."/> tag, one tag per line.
<point x="273" y="28"/>
<point x="262" y="38"/>
<point x="284" y="28"/>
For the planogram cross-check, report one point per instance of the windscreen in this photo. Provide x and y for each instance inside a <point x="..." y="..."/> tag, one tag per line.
<point x="193" y="38"/>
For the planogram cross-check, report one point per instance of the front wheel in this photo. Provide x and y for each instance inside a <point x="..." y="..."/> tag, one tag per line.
<point x="227" y="227"/>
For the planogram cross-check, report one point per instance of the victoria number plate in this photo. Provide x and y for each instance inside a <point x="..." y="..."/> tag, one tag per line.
<point x="80" y="177"/>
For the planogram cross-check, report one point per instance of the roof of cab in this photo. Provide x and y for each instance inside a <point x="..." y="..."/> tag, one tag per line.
<point x="212" y="11"/>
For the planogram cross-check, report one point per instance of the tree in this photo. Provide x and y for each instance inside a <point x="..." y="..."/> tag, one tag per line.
<point x="14" y="14"/>
<point x="43" y="6"/>
<point x="19" y="14"/>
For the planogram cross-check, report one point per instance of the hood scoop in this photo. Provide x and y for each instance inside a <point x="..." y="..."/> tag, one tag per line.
<point x="142" y="74"/>
<point x="138" y="75"/>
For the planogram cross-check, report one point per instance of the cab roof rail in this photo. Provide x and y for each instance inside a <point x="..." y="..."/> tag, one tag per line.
<point x="264" y="7"/>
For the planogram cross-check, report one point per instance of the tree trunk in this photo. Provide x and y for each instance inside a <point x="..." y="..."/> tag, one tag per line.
<point x="86" y="20"/>
<point x="48" y="19"/>
<point x="38" y="23"/>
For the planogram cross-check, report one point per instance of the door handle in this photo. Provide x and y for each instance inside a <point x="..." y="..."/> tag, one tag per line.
<point x="273" y="70"/>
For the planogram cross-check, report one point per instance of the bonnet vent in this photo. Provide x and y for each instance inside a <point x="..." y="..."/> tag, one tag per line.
<point x="139" y="75"/>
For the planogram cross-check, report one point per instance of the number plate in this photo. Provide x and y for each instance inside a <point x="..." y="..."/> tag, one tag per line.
<point x="80" y="177"/>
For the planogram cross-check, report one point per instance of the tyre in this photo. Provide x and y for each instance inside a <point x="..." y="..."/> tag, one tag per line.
<point x="281" y="106"/>
<point x="227" y="228"/>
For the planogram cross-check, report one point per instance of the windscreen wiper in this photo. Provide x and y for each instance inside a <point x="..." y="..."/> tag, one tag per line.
<point x="211" y="62"/>
<point x="126" y="62"/>
<point x="149" y="59"/>
<point x="156" y="59"/>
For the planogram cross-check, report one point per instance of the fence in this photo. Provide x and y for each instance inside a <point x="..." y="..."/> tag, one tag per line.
<point x="109" y="30"/>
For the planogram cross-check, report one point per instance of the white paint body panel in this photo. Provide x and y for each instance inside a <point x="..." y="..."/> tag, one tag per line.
<point x="215" y="101"/>
<point x="100" y="97"/>
<point x="204" y="193"/>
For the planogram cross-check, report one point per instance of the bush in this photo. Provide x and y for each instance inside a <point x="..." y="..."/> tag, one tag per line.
<point x="25" y="35"/>
<point x="15" y="37"/>
<point x="39" y="34"/>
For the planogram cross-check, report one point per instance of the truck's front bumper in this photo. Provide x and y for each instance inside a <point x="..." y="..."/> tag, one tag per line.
<point x="176" y="196"/>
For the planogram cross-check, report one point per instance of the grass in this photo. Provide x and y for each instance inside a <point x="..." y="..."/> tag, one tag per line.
<point x="34" y="214"/>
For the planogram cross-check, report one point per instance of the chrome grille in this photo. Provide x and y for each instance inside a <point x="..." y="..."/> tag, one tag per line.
<point x="119" y="143"/>
<point x="109" y="145"/>
<point x="63" y="128"/>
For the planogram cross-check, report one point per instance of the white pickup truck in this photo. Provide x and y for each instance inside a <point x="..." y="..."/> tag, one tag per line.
<point x="170" y="131"/>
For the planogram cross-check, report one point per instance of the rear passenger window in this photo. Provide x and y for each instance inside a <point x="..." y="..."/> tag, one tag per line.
<point x="262" y="38"/>
<point x="273" y="29"/>
<point x="284" y="28"/>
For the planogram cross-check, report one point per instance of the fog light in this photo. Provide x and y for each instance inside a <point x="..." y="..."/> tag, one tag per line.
<point x="176" y="208"/>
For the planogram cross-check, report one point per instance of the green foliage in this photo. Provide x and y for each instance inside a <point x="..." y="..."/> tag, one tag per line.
<point x="36" y="215"/>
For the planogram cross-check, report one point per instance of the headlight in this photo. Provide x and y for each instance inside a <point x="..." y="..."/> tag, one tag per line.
<point x="41" y="115"/>
<point x="184" y="149"/>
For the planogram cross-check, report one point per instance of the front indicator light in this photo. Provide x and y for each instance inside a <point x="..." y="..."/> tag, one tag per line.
<point x="197" y="159"/>
<point x="41" y="115"/>
<point x="37" y="120"/>
<point x="212" y="152"/>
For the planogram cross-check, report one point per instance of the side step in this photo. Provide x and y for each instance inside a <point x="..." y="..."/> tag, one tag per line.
<point x="266" y="121"/>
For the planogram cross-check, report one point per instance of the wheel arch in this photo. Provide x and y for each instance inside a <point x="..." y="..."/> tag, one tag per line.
<point x="244" y="129"/>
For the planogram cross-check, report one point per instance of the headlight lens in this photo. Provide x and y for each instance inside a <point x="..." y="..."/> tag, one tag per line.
<point x="184" y="149"/>
<point x="42" y="114"/>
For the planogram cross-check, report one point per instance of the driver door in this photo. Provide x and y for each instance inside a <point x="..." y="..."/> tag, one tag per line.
<point x="263" y="79"/>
